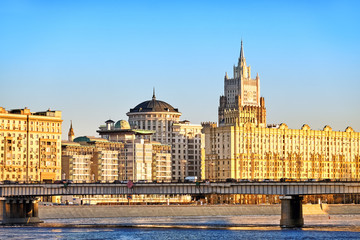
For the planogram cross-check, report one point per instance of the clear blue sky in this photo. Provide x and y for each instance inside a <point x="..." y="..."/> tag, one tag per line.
<point x="94" y="60"/>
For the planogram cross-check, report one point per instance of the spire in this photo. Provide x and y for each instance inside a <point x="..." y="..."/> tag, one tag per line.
<point x="71" y="133"/>
<point x="153" y="97"/>
<point x="241" y="52"/>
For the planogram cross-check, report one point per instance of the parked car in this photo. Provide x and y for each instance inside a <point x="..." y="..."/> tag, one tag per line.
<point x="142" y="181"/>
<point x="10" y="182"/>
<point x="230" y="180"/>
<point x="190" y="179"/>
<point x="244" y="180"/>
<point x="63" y="181"/>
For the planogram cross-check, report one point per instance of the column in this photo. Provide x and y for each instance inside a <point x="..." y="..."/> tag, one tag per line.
<point x="291" y="211"/>
<point x="35" y="209"/>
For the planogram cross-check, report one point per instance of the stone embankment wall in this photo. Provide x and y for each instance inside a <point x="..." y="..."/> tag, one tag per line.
<point x="96" y="211"/>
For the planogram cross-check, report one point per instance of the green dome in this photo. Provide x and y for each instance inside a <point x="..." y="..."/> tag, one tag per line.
<point x="122" y="124"/>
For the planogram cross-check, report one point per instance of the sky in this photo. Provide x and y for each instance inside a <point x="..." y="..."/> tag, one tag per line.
<point x="94" y="60"/>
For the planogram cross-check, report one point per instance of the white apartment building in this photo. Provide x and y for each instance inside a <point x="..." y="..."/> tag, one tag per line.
<point x="185" y="139"/>
<point x="142" y="159"/>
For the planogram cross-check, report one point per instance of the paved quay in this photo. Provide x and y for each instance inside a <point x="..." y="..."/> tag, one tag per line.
<point x="100" y="211"/>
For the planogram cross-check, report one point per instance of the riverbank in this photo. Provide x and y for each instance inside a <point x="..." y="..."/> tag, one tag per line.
<point x="99" y="211"/>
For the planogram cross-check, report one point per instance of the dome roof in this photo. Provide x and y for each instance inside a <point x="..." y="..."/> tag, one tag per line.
<point x="154" y="105"/>
<point x="122" y="124"/>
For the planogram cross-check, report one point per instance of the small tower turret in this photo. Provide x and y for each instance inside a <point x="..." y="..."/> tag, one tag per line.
<point x="71" y="134"/>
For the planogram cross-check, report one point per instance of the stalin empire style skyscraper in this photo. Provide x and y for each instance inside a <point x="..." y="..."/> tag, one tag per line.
<point x="241" y="102"/>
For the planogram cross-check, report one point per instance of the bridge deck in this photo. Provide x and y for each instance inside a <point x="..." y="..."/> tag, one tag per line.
<point x="266" y="188"/>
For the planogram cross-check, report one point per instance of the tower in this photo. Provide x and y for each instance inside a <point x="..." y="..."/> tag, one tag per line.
<point x="241" y="101"/>
<point x="71" y="134"/>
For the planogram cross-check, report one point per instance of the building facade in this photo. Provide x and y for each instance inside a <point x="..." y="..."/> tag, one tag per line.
<point x="250" y="152"/>
<point x="161" y="164"/>
<point x="76" y="161"/>
<point x="90" y="159"/>
<point x="143" y="159"/>
<point x="185" y="139"/>
<point x="157" y="116"/>
<point x="30" y="145"/>
<point x="188" y="150"/>
<point x="242" y="101"/>
<point x="243" y="147"/>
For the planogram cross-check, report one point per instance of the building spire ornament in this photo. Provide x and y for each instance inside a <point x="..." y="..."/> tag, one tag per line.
<point x="242" y="56"/>
<point x="153" y="97"/>
<point x="71" y="134"/>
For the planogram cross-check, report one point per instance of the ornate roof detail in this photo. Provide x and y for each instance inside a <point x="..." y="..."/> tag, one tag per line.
<point x="154" y="105"/>
<point x="122" y="124"/>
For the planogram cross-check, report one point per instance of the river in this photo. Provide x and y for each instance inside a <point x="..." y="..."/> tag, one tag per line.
<point x="200" y="227"/>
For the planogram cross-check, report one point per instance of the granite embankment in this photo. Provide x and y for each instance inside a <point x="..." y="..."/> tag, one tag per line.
<point x="98" y="211"/>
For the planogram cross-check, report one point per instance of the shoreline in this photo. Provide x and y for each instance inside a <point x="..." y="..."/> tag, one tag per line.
<point x="111" y="211"/>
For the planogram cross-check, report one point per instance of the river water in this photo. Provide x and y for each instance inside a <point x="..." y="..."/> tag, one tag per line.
<point x="201" y="227"/>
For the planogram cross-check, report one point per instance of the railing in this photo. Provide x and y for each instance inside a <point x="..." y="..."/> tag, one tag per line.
<point x="263" y="188"/>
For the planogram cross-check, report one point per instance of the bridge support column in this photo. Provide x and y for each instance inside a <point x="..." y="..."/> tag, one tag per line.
<point x="291" y="212"/>
<point x="19" y="211"/>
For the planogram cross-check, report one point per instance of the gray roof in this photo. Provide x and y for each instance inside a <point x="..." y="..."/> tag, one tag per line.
<point x="154" y="105"/>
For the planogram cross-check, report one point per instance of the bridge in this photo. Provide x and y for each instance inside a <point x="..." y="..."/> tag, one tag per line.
<point x="19" y="205"/>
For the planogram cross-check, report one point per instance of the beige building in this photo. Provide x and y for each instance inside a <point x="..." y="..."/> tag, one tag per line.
<point x="157" y="116"/>
<point x="161" y="164"/>
<point x="185" y="139"/>
<point x="30" y="145"/>
<point x="243" y="147"/>
<point x="91" y="159"/>
<point x="188" y="149"/>
<point x="143" y="159"/>
<point x="76" y="161"/>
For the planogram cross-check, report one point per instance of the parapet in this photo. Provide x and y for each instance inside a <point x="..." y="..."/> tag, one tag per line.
<point x="208" y="124"/>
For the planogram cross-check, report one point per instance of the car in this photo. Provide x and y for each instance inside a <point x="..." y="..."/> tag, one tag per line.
<point x="230" y="180"/>
<point x="326" y="180"/>
<point x="142" y="181"/>
<point x="190" y="179"/>
<point x="244" y="180"/>
<point x="63" y="181"/>
<point x="116" y="181"/>
<point x="10" y="182"/>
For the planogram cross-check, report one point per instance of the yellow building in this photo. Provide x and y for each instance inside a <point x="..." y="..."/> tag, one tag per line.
<point x="30" y="145"/>
<point x="256" y="153"/>
<point x="243" y="147"/>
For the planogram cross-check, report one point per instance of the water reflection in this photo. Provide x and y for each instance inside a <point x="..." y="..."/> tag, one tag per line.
<point x="265" y="222"/>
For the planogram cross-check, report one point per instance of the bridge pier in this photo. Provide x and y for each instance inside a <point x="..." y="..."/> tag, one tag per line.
<point x="17" y="210"/>
<point x="291" y="211"/>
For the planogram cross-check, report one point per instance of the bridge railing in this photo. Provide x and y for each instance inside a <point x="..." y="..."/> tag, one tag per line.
<point x="264" y="188"/>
